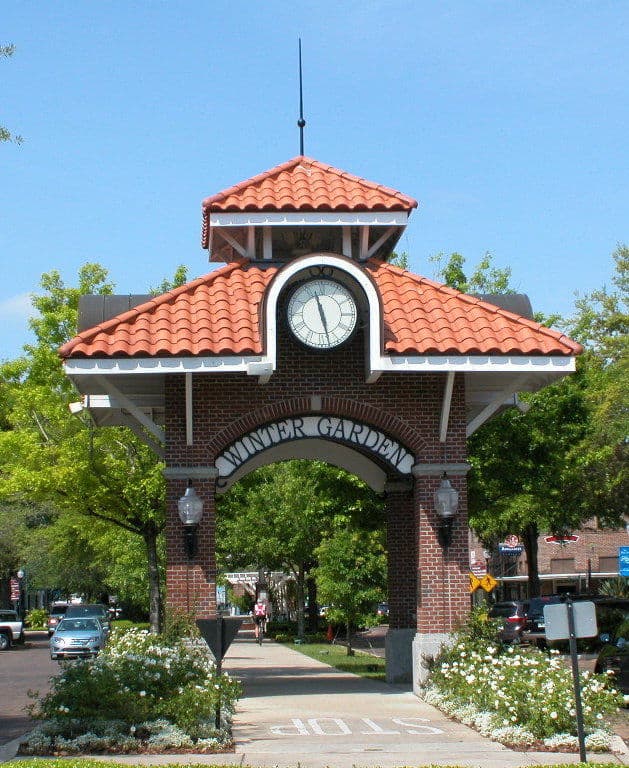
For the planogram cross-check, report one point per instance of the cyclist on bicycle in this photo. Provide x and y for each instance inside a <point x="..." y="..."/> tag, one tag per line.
<point x="259" y="618"/>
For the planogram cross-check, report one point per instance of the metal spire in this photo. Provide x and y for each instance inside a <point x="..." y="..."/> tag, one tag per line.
<point x="301" y="122"/>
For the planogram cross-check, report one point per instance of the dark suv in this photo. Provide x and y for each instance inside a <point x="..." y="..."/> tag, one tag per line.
<point x="536" y="624"/>
<point x="513" y="613"/>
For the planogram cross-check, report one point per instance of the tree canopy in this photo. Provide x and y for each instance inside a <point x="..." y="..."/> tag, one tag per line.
<point x="49" y="456"/>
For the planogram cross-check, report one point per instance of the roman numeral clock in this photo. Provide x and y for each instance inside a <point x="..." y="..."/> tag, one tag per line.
<point x="322" y="313"/>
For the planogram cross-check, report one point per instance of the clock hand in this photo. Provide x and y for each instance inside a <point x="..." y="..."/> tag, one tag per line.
<point x="322" y="316"/>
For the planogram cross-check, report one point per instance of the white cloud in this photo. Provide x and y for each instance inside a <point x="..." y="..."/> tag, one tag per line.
<point x="17" y="307"/>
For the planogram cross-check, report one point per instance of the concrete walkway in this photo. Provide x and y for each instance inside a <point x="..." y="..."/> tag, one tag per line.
<point x="297" y="711"/>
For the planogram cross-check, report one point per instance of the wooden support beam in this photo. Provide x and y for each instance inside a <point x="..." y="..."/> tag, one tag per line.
<point x="445" y="407"/>
<point x="189" y="422"/>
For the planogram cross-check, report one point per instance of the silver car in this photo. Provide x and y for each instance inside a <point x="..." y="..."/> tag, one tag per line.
<point x="76" y="637"/>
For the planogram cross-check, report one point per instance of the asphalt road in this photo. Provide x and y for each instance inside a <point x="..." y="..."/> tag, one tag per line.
<point x="23" y="668"/>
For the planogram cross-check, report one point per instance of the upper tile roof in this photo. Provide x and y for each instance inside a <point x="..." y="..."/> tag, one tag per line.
<point x="304" y="184"/>
<point x="219" y="314"/>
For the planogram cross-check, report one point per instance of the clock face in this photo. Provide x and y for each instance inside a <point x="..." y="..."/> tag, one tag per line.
<point x="322" y="313"/>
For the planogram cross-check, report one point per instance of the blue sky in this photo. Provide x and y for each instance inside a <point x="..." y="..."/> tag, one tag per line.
<point x="508" y="121"/>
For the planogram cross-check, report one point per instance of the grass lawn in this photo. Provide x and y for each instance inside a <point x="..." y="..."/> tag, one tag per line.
<point x="68" y="762"/>
<point x="336" y="656"/>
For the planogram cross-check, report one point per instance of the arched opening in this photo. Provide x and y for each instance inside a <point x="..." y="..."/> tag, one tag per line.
<point x="295" y="528"/>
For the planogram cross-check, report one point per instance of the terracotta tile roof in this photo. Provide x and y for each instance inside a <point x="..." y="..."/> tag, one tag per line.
<point x="214" y="315"/>
<point x="424" y="317"/>
<point x="219" y="314"/>
<point x="304" y="184"/>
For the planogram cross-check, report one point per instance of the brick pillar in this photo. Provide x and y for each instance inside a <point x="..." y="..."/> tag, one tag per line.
<point x="402" y="574"/>
<point x="443" y="584"/>
<point x="443" y="597"/>
<point x="191" y="582"/>
<point x="402" y="562"/>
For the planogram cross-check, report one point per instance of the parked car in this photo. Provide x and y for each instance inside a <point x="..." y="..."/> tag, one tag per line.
<point x="513" y="613"/>
<point x="11" y="629"/>
<point x="75" y="637"/>
<point x="614" y="659"/>
<point x="535" y="631"/>
<point x="383" y="610"/>
<point x="56" y="613"/>
<point x="91" y="610"/>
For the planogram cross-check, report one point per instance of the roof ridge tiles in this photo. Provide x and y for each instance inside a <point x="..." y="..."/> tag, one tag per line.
<point x="301" y="160"/>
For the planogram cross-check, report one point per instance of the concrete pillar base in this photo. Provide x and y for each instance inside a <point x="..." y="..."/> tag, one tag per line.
<point x="425" y="646"/>
<point x="399" y="655"/>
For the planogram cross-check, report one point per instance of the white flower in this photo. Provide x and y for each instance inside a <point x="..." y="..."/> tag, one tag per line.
<point x="553" y="715"/>
<point x="142" y="693"/>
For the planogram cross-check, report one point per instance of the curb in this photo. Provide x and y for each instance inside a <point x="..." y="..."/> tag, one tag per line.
<point x="9" y="750"/>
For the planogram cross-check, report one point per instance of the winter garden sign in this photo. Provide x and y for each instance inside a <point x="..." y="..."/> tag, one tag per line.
<point x="334" y="428"/>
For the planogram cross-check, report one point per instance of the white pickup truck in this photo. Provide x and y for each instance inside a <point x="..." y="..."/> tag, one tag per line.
<point x="11" y="629"/>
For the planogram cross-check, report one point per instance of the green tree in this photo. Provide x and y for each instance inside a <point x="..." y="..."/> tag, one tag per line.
<point x="6" y="51"/>
<point x="520" y="468"/>
<point x="522" y="462"/>
<point x="485" y="279"/>
<point x="600" y="482"/>
<point x="351" y="575"/>
<point x="106" y="474"/>
<point x="179" y="278"/>
<point x="277" y="516"/>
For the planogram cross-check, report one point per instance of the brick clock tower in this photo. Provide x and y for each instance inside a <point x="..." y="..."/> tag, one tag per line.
<point x="308" y="343"/>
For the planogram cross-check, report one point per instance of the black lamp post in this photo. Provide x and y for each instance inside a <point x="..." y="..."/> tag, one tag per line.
<point x="190" y="508"/>
<point x="446" y="505"/>
<point x="23" y="607"/>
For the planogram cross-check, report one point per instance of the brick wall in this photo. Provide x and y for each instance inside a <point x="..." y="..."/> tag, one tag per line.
<point x="592" y="545"/>
<point x="405" y="406"/>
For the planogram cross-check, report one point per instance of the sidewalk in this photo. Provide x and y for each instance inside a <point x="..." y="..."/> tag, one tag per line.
<point x="297" y="711"/>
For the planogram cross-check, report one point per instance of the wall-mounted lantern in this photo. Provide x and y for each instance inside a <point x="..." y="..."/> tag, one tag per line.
<point x="190" y="508"/>
<point x="446" y="505"/>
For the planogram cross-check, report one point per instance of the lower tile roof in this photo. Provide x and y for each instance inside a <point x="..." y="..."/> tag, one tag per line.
<point x="220" y="314"/>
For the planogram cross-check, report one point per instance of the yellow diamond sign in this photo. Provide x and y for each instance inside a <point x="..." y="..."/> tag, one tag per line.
<point x="475" y="582"/>
<point x="488" y="582"/>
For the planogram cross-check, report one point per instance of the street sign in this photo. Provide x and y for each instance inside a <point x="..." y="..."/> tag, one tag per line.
<point x="219" y="633"/>
<point x="623" y="561"/>
<point x="15" y="589"/>
<point x="478" y="568"/>
<point x="488" y="582"/>
<point x="569" y="538"/>
<point x="568" y="621"/>
<point x="556" y="619"/>
<point x="474" y="582"/>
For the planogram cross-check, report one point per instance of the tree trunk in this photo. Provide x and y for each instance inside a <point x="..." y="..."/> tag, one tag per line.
<point x="531" y="533"/>
<point x="300" y="603"/>
<point x="348" y="637"/>
<point x="313" y="607"/>
<point x="155" y="597"/>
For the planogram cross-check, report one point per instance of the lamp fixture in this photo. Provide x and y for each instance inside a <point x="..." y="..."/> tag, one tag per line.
<point x="446" y="505"/>
<point x="190" y="508"/>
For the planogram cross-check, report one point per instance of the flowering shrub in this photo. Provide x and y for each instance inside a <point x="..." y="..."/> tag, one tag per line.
<point x="514" y="695"/>
<point x="139" y="679"/>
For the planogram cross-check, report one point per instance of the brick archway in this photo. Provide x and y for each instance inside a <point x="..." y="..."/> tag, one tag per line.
<point x="335" y="406"/>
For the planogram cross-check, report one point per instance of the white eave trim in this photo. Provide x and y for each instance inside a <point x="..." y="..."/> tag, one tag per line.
<point x="342" y="218"/>
<point x="476" y="364"/>
<point x="259" y="365"/>
<point x="159" y="365"/>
